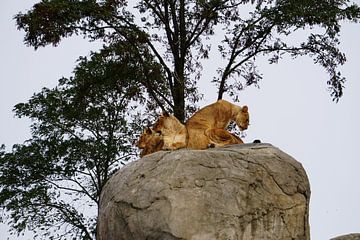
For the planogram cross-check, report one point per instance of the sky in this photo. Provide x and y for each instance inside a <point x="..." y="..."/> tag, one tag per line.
<point x="292" y="110"/>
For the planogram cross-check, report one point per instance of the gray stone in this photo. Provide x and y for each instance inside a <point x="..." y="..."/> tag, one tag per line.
<point x="353" y="236"/>
<point x="239" y="192"/>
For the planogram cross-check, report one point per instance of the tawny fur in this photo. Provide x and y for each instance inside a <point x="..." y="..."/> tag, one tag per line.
<point x="205" y="128"/>
<point x="150" y="142"/>
<point x="220" y="137"/>
<point x="174" y="133"/>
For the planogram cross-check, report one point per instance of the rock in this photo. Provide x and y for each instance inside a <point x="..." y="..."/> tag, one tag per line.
<point x="353" y="236"/>
<point x="239" y="192"/>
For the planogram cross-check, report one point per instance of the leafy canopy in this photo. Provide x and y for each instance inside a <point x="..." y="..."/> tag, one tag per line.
<point x="179" y="35"/>
<point x="152" y="55"/>
<point x="82" y="132"/>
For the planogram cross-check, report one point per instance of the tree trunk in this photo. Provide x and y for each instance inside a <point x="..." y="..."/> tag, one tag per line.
<point x="179" y="97"/>
<point x="179" y="57"/>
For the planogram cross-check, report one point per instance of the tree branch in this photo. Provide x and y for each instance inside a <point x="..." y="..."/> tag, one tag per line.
<point x="71" y="218"/>
<point x="83" y="189"/>
<point x="235" y="53"/>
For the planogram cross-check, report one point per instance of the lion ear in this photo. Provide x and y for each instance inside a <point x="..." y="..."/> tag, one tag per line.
<point x="166" y="114"/>
<point x="244" y="109"/>
<point x="148" y="130"/>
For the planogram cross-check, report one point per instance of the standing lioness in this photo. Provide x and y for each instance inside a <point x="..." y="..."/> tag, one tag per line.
<point x="207" y="126"/>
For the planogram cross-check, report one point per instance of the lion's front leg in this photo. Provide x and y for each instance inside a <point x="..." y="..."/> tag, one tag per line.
<point x="221" y="137"/>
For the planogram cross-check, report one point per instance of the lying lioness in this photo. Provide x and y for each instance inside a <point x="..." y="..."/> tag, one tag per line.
<point x="150" y="142"/>
<point x="205" y="128"/>
<point x="174" y="133"/>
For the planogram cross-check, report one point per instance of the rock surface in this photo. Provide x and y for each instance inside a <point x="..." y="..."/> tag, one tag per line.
<point x="239" y="192"/>
<point x="353" y="236"/>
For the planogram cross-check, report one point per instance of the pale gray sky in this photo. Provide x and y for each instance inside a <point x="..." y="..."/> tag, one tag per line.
<point x="292" y="110"/>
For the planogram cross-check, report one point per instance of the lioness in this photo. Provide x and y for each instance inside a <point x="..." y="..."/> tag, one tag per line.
<point x="205" y="128"/>
<point x="174" y="133"/>
<point x="150" y="142"/>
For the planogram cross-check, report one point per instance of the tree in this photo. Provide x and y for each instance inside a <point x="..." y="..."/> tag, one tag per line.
<point x="152" y="55"/>
<point x="177" y="32"/>
<point x="82" y="132"/>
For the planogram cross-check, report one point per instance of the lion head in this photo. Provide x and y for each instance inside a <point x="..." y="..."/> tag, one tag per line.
<point x="150" y="141"/>
<point x="242" y="118"/>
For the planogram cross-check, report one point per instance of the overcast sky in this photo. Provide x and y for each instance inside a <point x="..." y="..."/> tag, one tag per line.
<point x="292" y="110"/>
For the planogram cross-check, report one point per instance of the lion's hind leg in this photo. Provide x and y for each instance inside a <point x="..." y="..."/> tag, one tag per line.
<point x="220" y="137"/>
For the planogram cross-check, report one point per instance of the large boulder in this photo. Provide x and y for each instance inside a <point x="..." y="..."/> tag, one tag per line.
<point x="353" y="236"/>
<point x="243" y="192"/>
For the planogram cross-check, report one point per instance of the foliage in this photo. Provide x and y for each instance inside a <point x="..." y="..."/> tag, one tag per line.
<point x="178" y="33"/>
<point x="152" y="56"/>
<point x="82" y="132"/>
